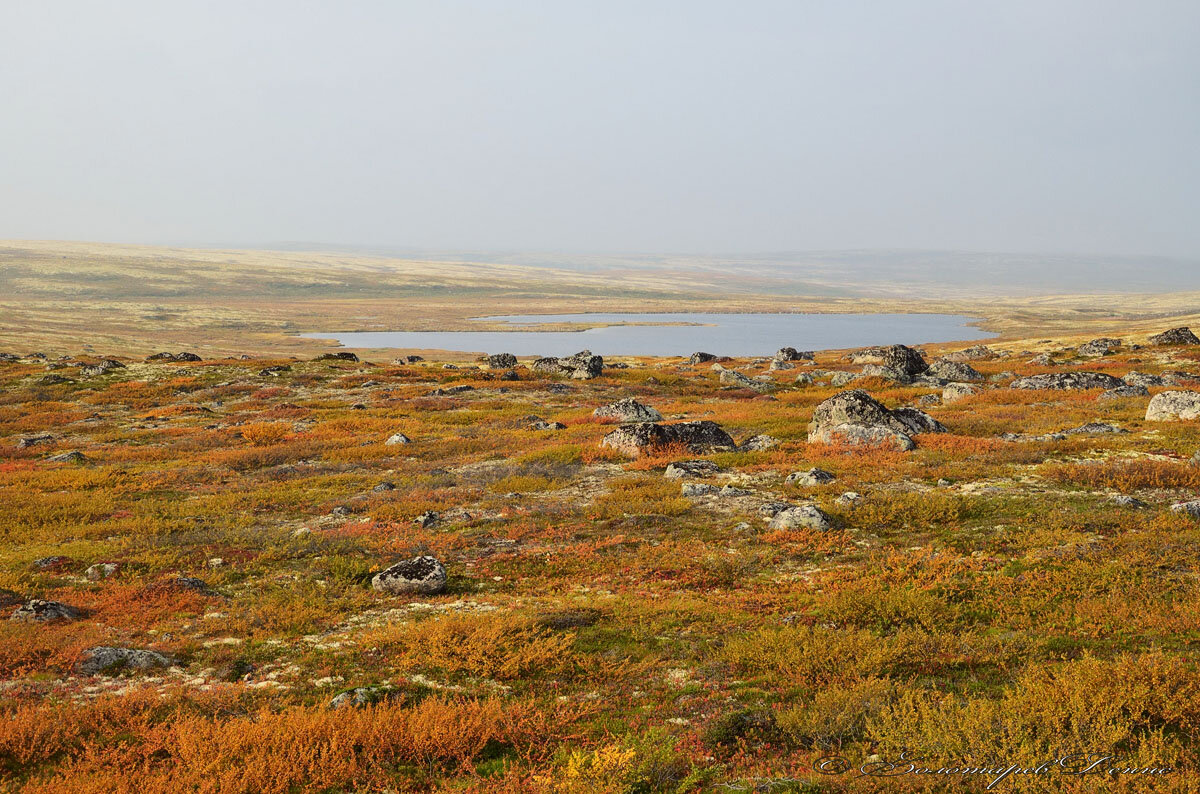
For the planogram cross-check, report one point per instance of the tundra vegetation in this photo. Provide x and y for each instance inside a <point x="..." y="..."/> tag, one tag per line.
<point x="194" y="611"/>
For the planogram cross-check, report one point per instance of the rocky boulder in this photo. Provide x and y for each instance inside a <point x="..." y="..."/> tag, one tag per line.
<point x="39" y="611"/>
<point x="502" y="361"/>
<point x="1103" y="346"/>
<point x="700" y="437"/>
<point x="810" y="478"/>
<point x="419" y="576"/>
<point x="901" y="358"/>
<point x="689" y="469"/>
<point x="341" y="355"/>
<point x="801" y="517"/>
<point x="397" y="438"/>
<point x="1172" y="406"/>
<point x="101" y="660"/>
<point x="855" y="417"/>
<point x="1124" y="391"/>
<point x="954" y="371"/>
<point x="973" y="353"/>
<point x="1176" y="336"/>
<point x="582" y="366"/>
<point x="759" y="443"/>
<point x="627" y="410"/>
<point x="731" y="378"/>
<point x="953" y="392"/>
<point x="1068" y="381"/>
<point x="700" y="357"/>
<point x="792" y="354"/>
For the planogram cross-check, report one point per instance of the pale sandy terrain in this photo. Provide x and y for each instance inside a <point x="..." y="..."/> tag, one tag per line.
<point x="61" y="297"/>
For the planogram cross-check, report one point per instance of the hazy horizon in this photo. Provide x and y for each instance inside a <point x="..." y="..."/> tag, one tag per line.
<point x="1059" y="129"/>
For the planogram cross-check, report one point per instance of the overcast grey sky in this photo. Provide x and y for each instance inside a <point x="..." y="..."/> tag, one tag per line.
<point x="691" y="126"/>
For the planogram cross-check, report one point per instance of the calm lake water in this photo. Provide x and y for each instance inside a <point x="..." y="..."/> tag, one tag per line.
<point x="721" y="334"/>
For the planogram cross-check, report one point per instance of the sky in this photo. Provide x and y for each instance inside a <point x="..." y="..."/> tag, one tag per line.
<point x="651" y="126"/>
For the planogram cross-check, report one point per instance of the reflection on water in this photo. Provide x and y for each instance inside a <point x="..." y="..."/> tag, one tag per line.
<point x="722" y="334"/>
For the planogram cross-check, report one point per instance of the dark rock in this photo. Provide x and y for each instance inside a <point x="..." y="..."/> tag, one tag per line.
<point x="56" y="562"/>
<point x="542" y="424"/>
<point x="701" y="358"/>
<point x="509" y="375"/>
<point x="341" y="355"/>
<point x="276" y="371"/>
<point x="384" y="487"/>
<point x="185" y="356"/>
<point x="418" y="576"/>
<point x="161" y="357"/>
<point x="428" y="519"/>
<point x="33" y="441"/>
<point x="53" y="380"/>
<point x="1175" y="336"/>
<point x="697" y="489"/>
<point x="502" y="361"/>
<point x="1094" y="428"/>
<point x="1142" y="379"/>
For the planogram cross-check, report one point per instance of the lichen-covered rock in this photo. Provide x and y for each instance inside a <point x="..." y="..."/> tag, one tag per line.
<point x="39" y="611"/>
<point x="792" y="354"/>
<point x="423" y="575"/>
<point x="1144" y="379"/>
<point x="1176" y="336"/>
<point x="1124" y="391"/>
<point x="101" y="570"/>
<point x="953" y="392"/>
<point x="700" y="357"/>
<point x="854" y="417"/>
<point x="542" y="424"/>
<point x="811" y="477"/>
<point x="954" y="371"/>
<point x="1068" y="381"/>
<point x="582" y="366"/>
<point x="340" y="355"/>
<point x="1094" y="429"/>
<point x="1173" y="406"/>
<point x="397" y="438"/>
<point x="1099" y="347"/>
<point x="1191" y="509"/>
<point x="697" y="489"/>
<point x="733" y="378"/>
<point x="801" y="517"/>
<point x="74" y="456"/>
<point x="502" y="361"/>
<point x="973" y="353"/>
<point x="104" y="659"/>
<point x="688" y="469"/>
<point x="628" y="410"/>
<point x="700" y="437"/>
<point x="903" y="359"/>
<point x="759" y="443"/>
<point x="881" y="371"/>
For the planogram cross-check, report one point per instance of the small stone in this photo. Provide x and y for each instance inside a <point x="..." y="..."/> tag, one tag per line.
<point x="685" y="469"/>
<point x="759" y="443"/>
<point x="397" y="438"/>
<point x="809" y="478"/>
<point x="697" y="489"/>
<point x="101" y="570"/>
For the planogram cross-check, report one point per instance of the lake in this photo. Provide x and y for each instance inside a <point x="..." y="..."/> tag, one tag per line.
<point x="721" y="334"/>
